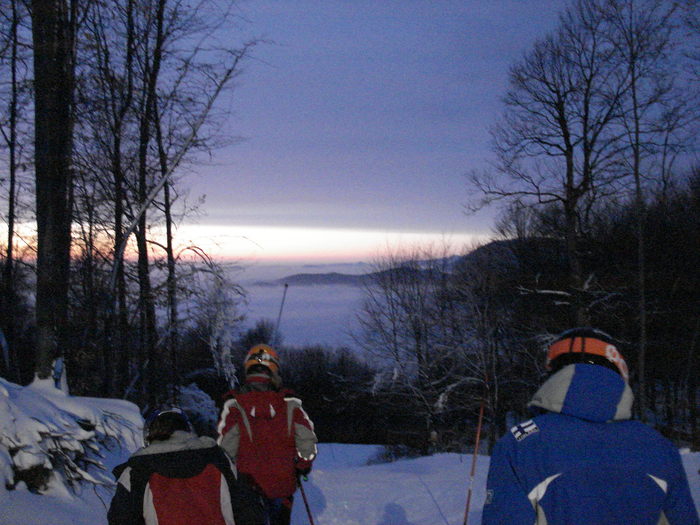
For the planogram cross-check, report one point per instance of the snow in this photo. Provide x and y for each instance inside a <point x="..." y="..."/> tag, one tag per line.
<point x="424" y="491"/>
<point x="199" y="407"/>
<point x="431" y="490"/>
<point x="346" y="487"/>
<point x="74" y="441"/>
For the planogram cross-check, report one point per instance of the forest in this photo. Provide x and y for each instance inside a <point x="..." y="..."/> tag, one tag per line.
<point x="105" y="106"/>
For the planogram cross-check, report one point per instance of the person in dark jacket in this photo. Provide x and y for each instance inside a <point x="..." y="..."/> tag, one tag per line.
<point x="268" y="433"/>
<point x="180" y="478"/>
<point x="582" y="460"/>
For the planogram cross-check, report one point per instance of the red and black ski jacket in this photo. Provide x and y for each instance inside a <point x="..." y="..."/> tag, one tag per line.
<point x="271" y="438"/>
<point x="185" y="480"/>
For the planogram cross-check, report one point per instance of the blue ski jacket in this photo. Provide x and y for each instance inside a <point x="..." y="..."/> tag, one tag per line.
<point x="583" y="461"/>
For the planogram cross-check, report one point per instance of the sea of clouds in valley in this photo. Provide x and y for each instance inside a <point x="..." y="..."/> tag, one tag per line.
<point x="314" y="314"/>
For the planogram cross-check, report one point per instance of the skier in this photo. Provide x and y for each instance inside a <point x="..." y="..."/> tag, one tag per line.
<point x="179" y="478"/>
<point x="583" y="460"/>
<point x="268" y="433"/>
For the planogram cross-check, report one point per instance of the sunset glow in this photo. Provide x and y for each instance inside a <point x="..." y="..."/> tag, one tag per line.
<point x="279" y="244"/>
<point x="296" y="244"/>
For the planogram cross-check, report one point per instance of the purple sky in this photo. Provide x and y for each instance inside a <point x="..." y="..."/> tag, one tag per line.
<point x="364" y="116"/>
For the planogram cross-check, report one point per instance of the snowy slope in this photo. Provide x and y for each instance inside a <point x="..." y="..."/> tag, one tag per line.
<point x="342" y="489"/>
<point x="423" y="491"/>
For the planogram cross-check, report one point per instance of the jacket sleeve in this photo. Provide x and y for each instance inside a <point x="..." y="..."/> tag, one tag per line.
<point x="246" y="504"/>
<point x="679" y="507"/>
<point x="126" y="507"/>
<point x="229" y="428"/>
<point x="304" y="436"/>
<point x="506" y="499"/>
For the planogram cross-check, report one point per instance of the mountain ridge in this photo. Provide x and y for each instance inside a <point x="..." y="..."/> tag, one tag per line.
<point x="508" y="252"/>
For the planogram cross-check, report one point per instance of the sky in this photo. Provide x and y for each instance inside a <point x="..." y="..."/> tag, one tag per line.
<point x="359" y="121"/>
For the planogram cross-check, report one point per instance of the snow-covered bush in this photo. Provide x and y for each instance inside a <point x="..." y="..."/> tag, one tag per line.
<point x="53" y="442"/>
<point x="200" y="409"/>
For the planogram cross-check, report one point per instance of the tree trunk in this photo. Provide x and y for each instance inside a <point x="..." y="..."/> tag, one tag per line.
<point x="173" y="331"/>
<point x="119" y="319"/>
<point x="147" y="318"/>
<point x="8" y="298"/>
<point x="147" y="305"/>
<point x="693" y="385"/>
<point x="641" y="257"/>
<point x="118" y="323"/>
<point x="53" y="34"/>
<point x="579" y="315"/>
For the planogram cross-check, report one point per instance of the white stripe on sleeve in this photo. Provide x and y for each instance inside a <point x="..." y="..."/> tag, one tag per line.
<point x="150" y="517"/>
<point x="226" y="507"/>
<point x="539" y="491"/>
<point x="125" y="479"/>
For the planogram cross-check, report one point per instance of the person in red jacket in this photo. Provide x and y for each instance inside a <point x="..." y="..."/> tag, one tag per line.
<point x="180" y="478"/>
<point x="268" y="433"/>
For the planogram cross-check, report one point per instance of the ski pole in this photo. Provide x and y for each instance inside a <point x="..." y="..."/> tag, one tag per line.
<point x="473" y="469"/>
<point x="276" y="335"/>
<point x="306" y="503"/>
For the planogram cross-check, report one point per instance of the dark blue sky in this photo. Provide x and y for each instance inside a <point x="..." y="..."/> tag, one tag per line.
<point x="366" y="115"/>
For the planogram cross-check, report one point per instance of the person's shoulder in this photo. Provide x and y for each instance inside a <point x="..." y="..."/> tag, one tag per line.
<point x="531" y="432"/>
<point x="239" y="396"/>
<point x="119" y="469"/>
<point x="288" y="393"/>
<point x="291" y="398"/>
<point x="230" y="398"/>
<point x="138" y="465"/>
<point x="639" y="432"/>
<point x="217" y="454"/>
<point x="231" y="394"/>
<point x="524" y="432"/>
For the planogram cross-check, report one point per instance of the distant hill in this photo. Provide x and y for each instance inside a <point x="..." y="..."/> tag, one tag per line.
<point x="318" y="279"/>
<point x="516" y="253"/>
<point x="335" y="278"/>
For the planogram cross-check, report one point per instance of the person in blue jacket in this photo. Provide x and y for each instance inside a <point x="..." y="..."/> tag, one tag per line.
<point x="582" y="460"/>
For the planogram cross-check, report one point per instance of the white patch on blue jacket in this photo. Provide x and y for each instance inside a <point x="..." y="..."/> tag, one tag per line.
<point x="524" y="430"/>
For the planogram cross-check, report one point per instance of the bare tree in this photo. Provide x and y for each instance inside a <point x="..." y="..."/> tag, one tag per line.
<point x="641" y="34"/>
<point x="409" y="331"/>
<point x="691" y="19"/>
<point x="484" y="289"/>
<point x="150" y="63"/>
<point x="13" y="128"/>
<point x="150" y="110"/>
<point x="558" y="141"/>
<point x="443" y="329"/>
<point x="213" y="312"/>
<point x="109" y="85"/>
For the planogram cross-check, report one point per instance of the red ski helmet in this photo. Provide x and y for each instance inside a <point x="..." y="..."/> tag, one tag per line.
<point x="586" y="345"/>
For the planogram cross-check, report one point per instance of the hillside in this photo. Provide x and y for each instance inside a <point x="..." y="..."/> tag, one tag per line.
<point x="318" y="279"/>
<point x="538" y="252"/>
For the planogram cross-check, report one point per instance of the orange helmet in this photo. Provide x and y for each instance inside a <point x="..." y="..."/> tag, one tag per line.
<point x="262" y="355"/>
<point x="586" y="345"/>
